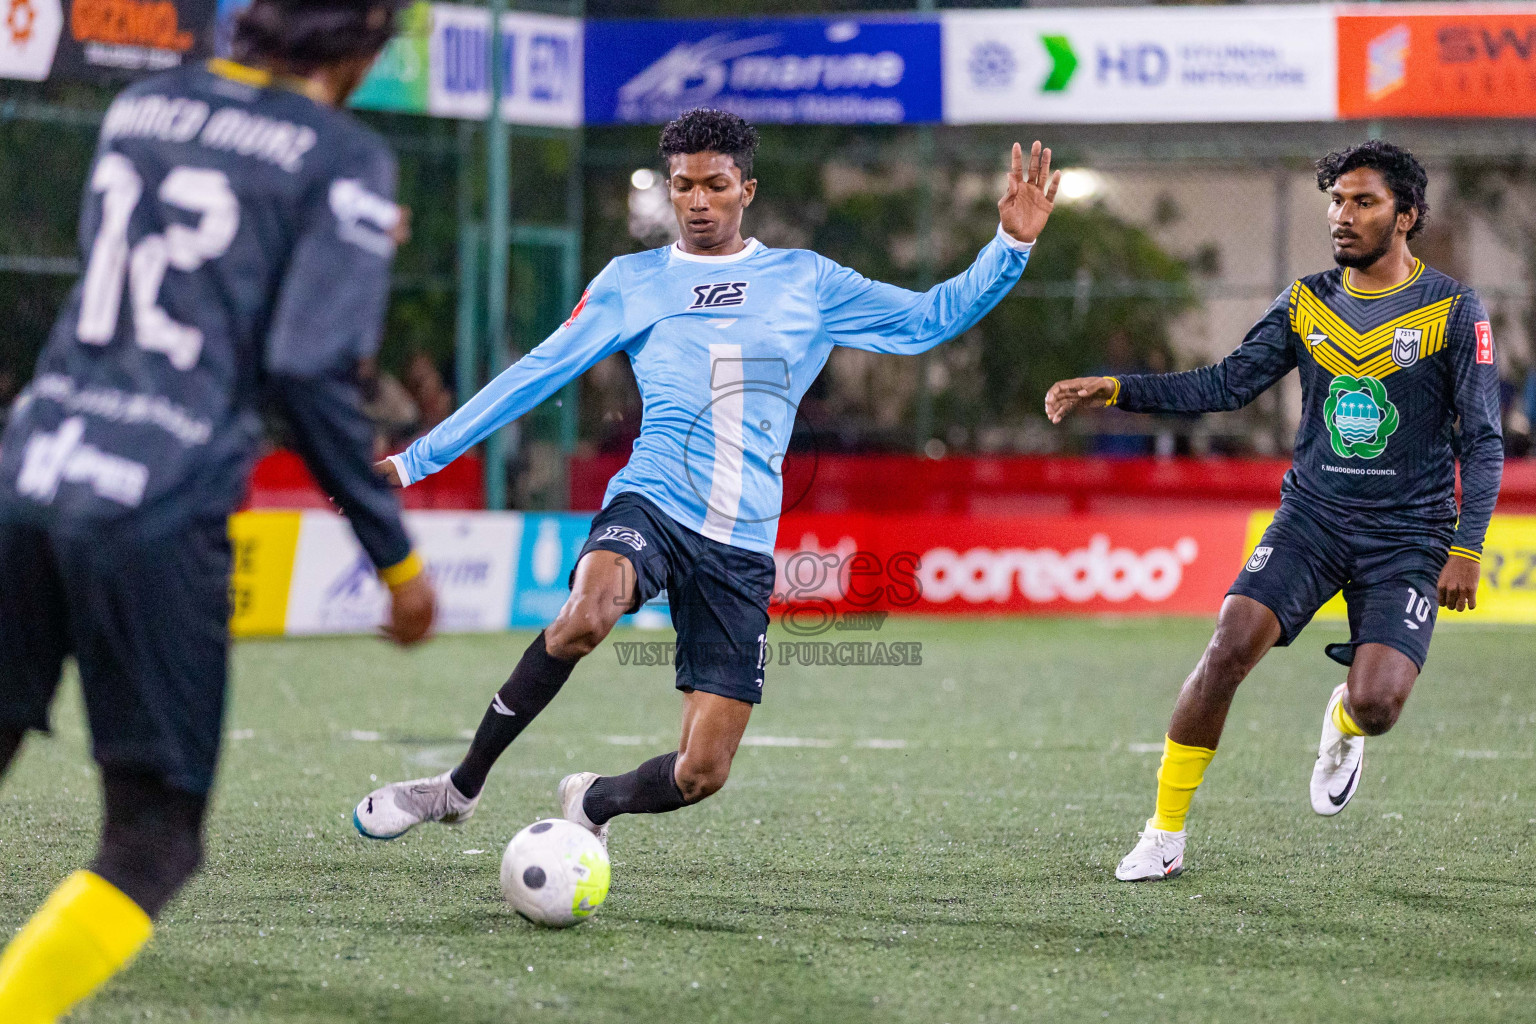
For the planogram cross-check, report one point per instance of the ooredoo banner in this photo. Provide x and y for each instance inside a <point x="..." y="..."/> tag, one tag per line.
<point x="1238" y="63"/>
<point x="970" y="565"/>
<point x="1472" y="60"/>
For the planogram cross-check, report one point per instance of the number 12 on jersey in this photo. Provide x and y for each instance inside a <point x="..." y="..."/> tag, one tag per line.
<point x="196" y="190"/>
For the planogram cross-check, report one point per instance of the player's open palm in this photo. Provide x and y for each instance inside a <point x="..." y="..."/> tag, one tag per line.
<point x="1027" y="204"/>
<point x="1067" y="395"/>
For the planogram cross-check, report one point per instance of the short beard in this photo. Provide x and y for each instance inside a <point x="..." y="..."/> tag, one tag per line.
<point x="1363" y="260"/>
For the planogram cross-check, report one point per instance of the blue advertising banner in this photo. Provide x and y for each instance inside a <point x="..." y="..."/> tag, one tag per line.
<point x="782" y="71"/>
<point x="546" y="556"/>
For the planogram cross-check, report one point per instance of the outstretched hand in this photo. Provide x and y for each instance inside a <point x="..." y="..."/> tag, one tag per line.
<point x="1027" y="204"/>
<point x="1067" y="395"/>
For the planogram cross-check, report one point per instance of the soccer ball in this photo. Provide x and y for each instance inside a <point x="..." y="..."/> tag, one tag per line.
<point x="555" y="873"/>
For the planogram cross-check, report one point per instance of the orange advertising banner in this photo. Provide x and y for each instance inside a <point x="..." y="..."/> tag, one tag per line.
<point x="1442" y="60"/>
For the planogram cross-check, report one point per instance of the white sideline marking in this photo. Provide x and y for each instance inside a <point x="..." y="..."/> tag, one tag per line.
<point x="364" y="736"/>
<point x="242" y="734"/>
<point x="784" y="741"/>
<point x="1489" y="755"/>
<point x="1144" y="748"/>
<point x="625" y="741"/>
<point x="882" y="744"/>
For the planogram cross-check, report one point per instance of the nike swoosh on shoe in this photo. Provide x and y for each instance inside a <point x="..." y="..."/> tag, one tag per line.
<point x="1338" y="801"/>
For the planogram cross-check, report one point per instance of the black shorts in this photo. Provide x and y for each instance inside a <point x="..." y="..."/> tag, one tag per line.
<point x="719" y="594"/>
<point x="1390" y="583"/>
<point x="148" y="625"/>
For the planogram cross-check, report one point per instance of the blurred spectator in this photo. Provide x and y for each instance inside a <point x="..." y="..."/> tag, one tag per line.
<point x="8" y="391"/>
<point x="424" y="383"/>
<point x="1119" y="358"/>
<point x="389" y="405"/>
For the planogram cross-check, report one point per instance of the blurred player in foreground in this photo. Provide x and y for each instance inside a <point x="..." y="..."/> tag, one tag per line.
<point x="1393" y="355"/>
<point x="237" y="234"/>
<point x="724" y="335"/>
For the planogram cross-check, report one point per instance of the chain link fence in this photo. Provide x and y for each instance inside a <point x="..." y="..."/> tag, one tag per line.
<point x="1168" y="243"/>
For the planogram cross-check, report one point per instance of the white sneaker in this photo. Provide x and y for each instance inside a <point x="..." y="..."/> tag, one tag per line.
<point x="1340" y="762"/>
<point x="393" y="810"/>
<point x="572" y="791"/>
<point x="1158" y="854"/>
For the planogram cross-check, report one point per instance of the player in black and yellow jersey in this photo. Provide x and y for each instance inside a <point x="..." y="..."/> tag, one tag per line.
<point x="1398" y="379"/>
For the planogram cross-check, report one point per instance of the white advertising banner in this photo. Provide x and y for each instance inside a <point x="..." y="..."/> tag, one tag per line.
<point x="1240" y="63"/>
<point x="470" y="556"/>
<point x="541" y="66"/>
<point x="29" y="37"/>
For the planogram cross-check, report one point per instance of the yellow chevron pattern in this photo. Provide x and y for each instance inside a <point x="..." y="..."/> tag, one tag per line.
<point x="1345" y="350"/>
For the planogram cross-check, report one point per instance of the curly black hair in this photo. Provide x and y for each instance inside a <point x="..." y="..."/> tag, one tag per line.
<point x="703" y="130"/>
<point x="309" y="34"/>
<point x="1404" y="174"/>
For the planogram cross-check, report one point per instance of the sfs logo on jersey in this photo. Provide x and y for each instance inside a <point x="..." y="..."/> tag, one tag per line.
<point x="1484" y="342"/>
<point x="721" y="293"/>
<point x="625" y="535"/>
<point x="1260" y="558"/>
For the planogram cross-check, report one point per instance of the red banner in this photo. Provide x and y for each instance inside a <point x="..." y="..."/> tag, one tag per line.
<point x="1131" y="565"/>
<point x="1445" y="61"/>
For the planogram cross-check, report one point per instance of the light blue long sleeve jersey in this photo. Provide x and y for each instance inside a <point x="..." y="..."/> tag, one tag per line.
<point x="723" y="348"/>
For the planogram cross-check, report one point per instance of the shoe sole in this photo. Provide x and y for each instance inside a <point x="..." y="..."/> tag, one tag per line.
<point x="357" y="824"/>
<point x="1175" y="873"/>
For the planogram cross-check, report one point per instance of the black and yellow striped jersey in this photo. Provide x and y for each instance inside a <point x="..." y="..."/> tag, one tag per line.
<point x="1385" y="377"/>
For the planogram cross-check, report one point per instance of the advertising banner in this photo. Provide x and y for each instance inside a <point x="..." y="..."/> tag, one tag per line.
<point x="968" y="565"/>
<point x="398" y="79"/>
<point x="782" y="71"/>
<point x="1508" y="590"/>
<point x="101" y="40"/>
<point x="1241" y="63"/>
<point x="540" y="74"/>
<point x="333" y="587"/>
<point x="1437" y="61"/>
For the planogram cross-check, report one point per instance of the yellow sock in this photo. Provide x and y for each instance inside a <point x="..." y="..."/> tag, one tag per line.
<point x="1344" y="723"/>
<point x="84" y="933"/>
<point x="1178" y="777"/>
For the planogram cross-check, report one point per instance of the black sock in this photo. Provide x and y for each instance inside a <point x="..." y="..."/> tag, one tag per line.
<point x="649" y="789"/>
<point x="151" y="837"/>
<point x="530" y="688"/>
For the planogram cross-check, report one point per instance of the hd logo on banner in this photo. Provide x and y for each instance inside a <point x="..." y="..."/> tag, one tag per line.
<point x="1244" y="63"/>
<point x="783" y="71"/>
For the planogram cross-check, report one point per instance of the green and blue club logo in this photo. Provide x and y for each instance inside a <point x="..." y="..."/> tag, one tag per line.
<point x="1360" y="418"/>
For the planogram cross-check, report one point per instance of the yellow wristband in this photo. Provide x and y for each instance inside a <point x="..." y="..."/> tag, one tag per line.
<point x="1115" y="396"/>
<point x="403" y="571"/>
<point x="1467" y="553"/>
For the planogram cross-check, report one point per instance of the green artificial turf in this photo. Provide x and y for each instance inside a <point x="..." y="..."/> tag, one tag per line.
<point x="938" y="847"/>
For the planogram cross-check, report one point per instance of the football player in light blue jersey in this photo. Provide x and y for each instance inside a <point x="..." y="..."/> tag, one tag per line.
<point x="725" y="335"/>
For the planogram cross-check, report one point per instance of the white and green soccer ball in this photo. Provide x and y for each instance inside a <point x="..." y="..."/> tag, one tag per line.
<point x="555" y="873"/>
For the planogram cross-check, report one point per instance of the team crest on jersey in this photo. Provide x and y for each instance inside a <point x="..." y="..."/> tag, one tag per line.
<point x="624" y="534"/>
<point x="1260" y="558"/>
<point x="1405" y="346"/>
<point x="1359" y="415"/>
<point x="719" y="294"/>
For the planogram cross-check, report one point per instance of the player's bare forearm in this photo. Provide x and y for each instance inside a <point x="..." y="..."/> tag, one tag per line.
<point x="1066" y="396"/>
<point x="386" y="470"/>
<point x="1458" y="583"/>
